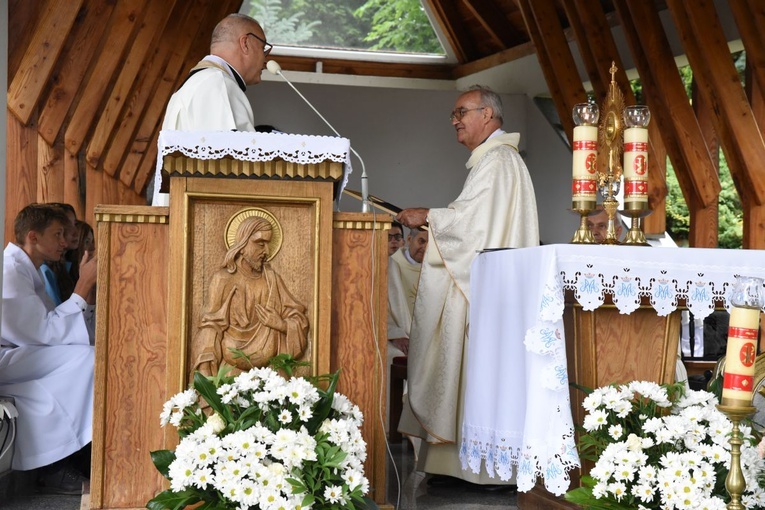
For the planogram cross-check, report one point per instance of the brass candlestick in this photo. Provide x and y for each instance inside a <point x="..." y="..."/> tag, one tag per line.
<point x="635" y="235"/>
<point x="735" y="482"/>
<point x="583" y="235"/>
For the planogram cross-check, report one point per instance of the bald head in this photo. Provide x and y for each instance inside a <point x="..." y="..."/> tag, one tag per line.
<point x="239" y="40"/>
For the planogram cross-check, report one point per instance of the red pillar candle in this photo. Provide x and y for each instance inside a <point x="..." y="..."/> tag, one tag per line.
<point x="584" y="184"/>
<point x="635" y="168"/>
<point x="738" y="381"/>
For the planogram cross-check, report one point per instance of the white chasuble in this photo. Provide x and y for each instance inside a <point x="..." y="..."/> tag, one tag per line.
<point x="496" y="209"/>
<point x="46" y="364"/>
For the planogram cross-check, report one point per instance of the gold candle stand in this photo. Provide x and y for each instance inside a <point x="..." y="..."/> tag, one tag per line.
<point x="735" y="482"/>
<point x="583" y="235"/>
<point x="635" y="235"/>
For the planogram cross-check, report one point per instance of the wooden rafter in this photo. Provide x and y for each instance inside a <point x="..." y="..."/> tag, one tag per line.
<point x="750" y="19"/>
<point x="707" y="49"/>
<point x="454" y="29"/>
<point x="494" y="21"/>
<point x="70" y="71"/>
<point x="144" y="43"/>
<point x="40" y="56"/>
<point x="121" y="27"/>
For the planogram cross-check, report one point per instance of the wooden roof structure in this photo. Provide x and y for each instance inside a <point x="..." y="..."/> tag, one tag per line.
<point x="88" y="81"/>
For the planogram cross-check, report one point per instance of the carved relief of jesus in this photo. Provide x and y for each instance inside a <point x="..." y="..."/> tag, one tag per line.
<point x="249" y="307"/>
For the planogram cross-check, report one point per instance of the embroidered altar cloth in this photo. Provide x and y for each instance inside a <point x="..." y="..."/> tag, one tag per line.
<point x="517" y="411"/>
<point x="254" y="146"/>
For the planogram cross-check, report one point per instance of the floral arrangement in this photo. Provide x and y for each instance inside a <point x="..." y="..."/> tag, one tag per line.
<point x="661" y="447"/>
<point x="262" y="441"/>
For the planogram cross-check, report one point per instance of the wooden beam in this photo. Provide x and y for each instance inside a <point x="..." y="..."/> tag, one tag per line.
<point x="74" y="183"/>
<point x="709" y="56"/>
<point x="508" y="55"/>
<point x="50" y="169"/>
<point x="176" y="34"/>
<point x="494" y="21"/>
<point x="705" y="218"/>
<point x="23" y="15"/>
<point x="750" y="19"/>
<point x="40" y="57"/>
<point x="143" y="44"/>
<point x="554" y="56"/>
<point x="754" y="215"/>
<point x="73" y="66"/>
<point x="122" y="24"/>
<point x="21" y="170"/>
<point x="453" y="27"/>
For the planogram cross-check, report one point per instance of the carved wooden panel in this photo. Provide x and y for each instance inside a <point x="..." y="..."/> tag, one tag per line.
<point x="203" y="212"/>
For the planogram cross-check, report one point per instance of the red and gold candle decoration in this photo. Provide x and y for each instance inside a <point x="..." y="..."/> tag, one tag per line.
<point x="738" y="381"/>
<point x="636" y="118"/>
<point x="584" y="184"/>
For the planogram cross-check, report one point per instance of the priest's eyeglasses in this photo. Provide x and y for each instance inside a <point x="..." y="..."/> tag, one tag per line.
<point x="397" y="237"/>
<point x="267" y="46"/>
<point x="461" y="112"/>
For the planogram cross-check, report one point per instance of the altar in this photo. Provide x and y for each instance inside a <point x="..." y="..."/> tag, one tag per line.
<point x="524" y="350"/>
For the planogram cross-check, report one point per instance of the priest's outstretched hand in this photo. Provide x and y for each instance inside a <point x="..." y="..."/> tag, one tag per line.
<point x="414" y="218"/>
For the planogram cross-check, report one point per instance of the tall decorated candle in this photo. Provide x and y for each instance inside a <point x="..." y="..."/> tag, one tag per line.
<point x="746" y="300"/>
<point x="585" y="154"/>
<point x="636" y="119"/>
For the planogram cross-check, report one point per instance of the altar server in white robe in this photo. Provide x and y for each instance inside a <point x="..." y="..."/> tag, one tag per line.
<point x="46" y="356"/>
<point x="495" y="209"/>
<point x="213" y="96"/>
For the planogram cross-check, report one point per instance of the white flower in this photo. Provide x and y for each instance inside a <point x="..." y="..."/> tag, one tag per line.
<point x="217" y="423"/>
<point x="595" y="420"/>
<point x="334" y="494"/>
<point x="285" y="416"/>
<point x="615" y="431"/>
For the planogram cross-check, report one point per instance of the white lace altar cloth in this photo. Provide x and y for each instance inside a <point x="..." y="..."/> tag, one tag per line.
<point x="517" y="412"/>
<point x="253" y="146"/>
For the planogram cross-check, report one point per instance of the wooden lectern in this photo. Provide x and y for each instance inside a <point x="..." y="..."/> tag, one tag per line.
<point x="156" y="265"/>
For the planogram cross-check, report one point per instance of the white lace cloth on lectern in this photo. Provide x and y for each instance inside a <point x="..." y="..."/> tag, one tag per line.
<point x="517" y="411"/>
<point x="253" y="146"/>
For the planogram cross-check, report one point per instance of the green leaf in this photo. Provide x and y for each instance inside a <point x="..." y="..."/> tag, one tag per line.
<point x="208" y="391"/>
<point x="162" y="460"/>
<point x="173" y="500"/>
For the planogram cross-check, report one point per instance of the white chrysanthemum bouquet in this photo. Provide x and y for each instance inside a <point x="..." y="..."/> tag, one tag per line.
<point x="265" y="442"/>
<point x="658" y="447"/>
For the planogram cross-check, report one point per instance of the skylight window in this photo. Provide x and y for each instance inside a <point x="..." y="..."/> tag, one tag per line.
<point x="379" y="26"/>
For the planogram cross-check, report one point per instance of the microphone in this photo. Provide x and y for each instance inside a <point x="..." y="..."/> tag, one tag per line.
<point x="274" y="68"/>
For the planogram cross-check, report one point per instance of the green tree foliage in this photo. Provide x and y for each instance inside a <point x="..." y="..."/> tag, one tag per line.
<point x="399" y="25"/>
<point x="339" y="27"/>
<point x="281" y="27"/>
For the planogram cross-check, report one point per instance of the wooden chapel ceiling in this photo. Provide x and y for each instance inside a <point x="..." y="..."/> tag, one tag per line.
<point x="88" y="81"/>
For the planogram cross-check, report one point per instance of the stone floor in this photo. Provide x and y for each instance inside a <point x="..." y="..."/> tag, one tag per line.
<point x="416" y="494"/>
<point x="411" y="493"/>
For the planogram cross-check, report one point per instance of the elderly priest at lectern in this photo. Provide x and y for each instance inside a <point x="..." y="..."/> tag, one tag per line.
<point x="495" y="209"/>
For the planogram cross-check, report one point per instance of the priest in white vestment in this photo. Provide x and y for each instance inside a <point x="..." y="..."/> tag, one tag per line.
<point x="46" y="356"/>
<point x="496" y="209"/>
<point x="213" y="96"/>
